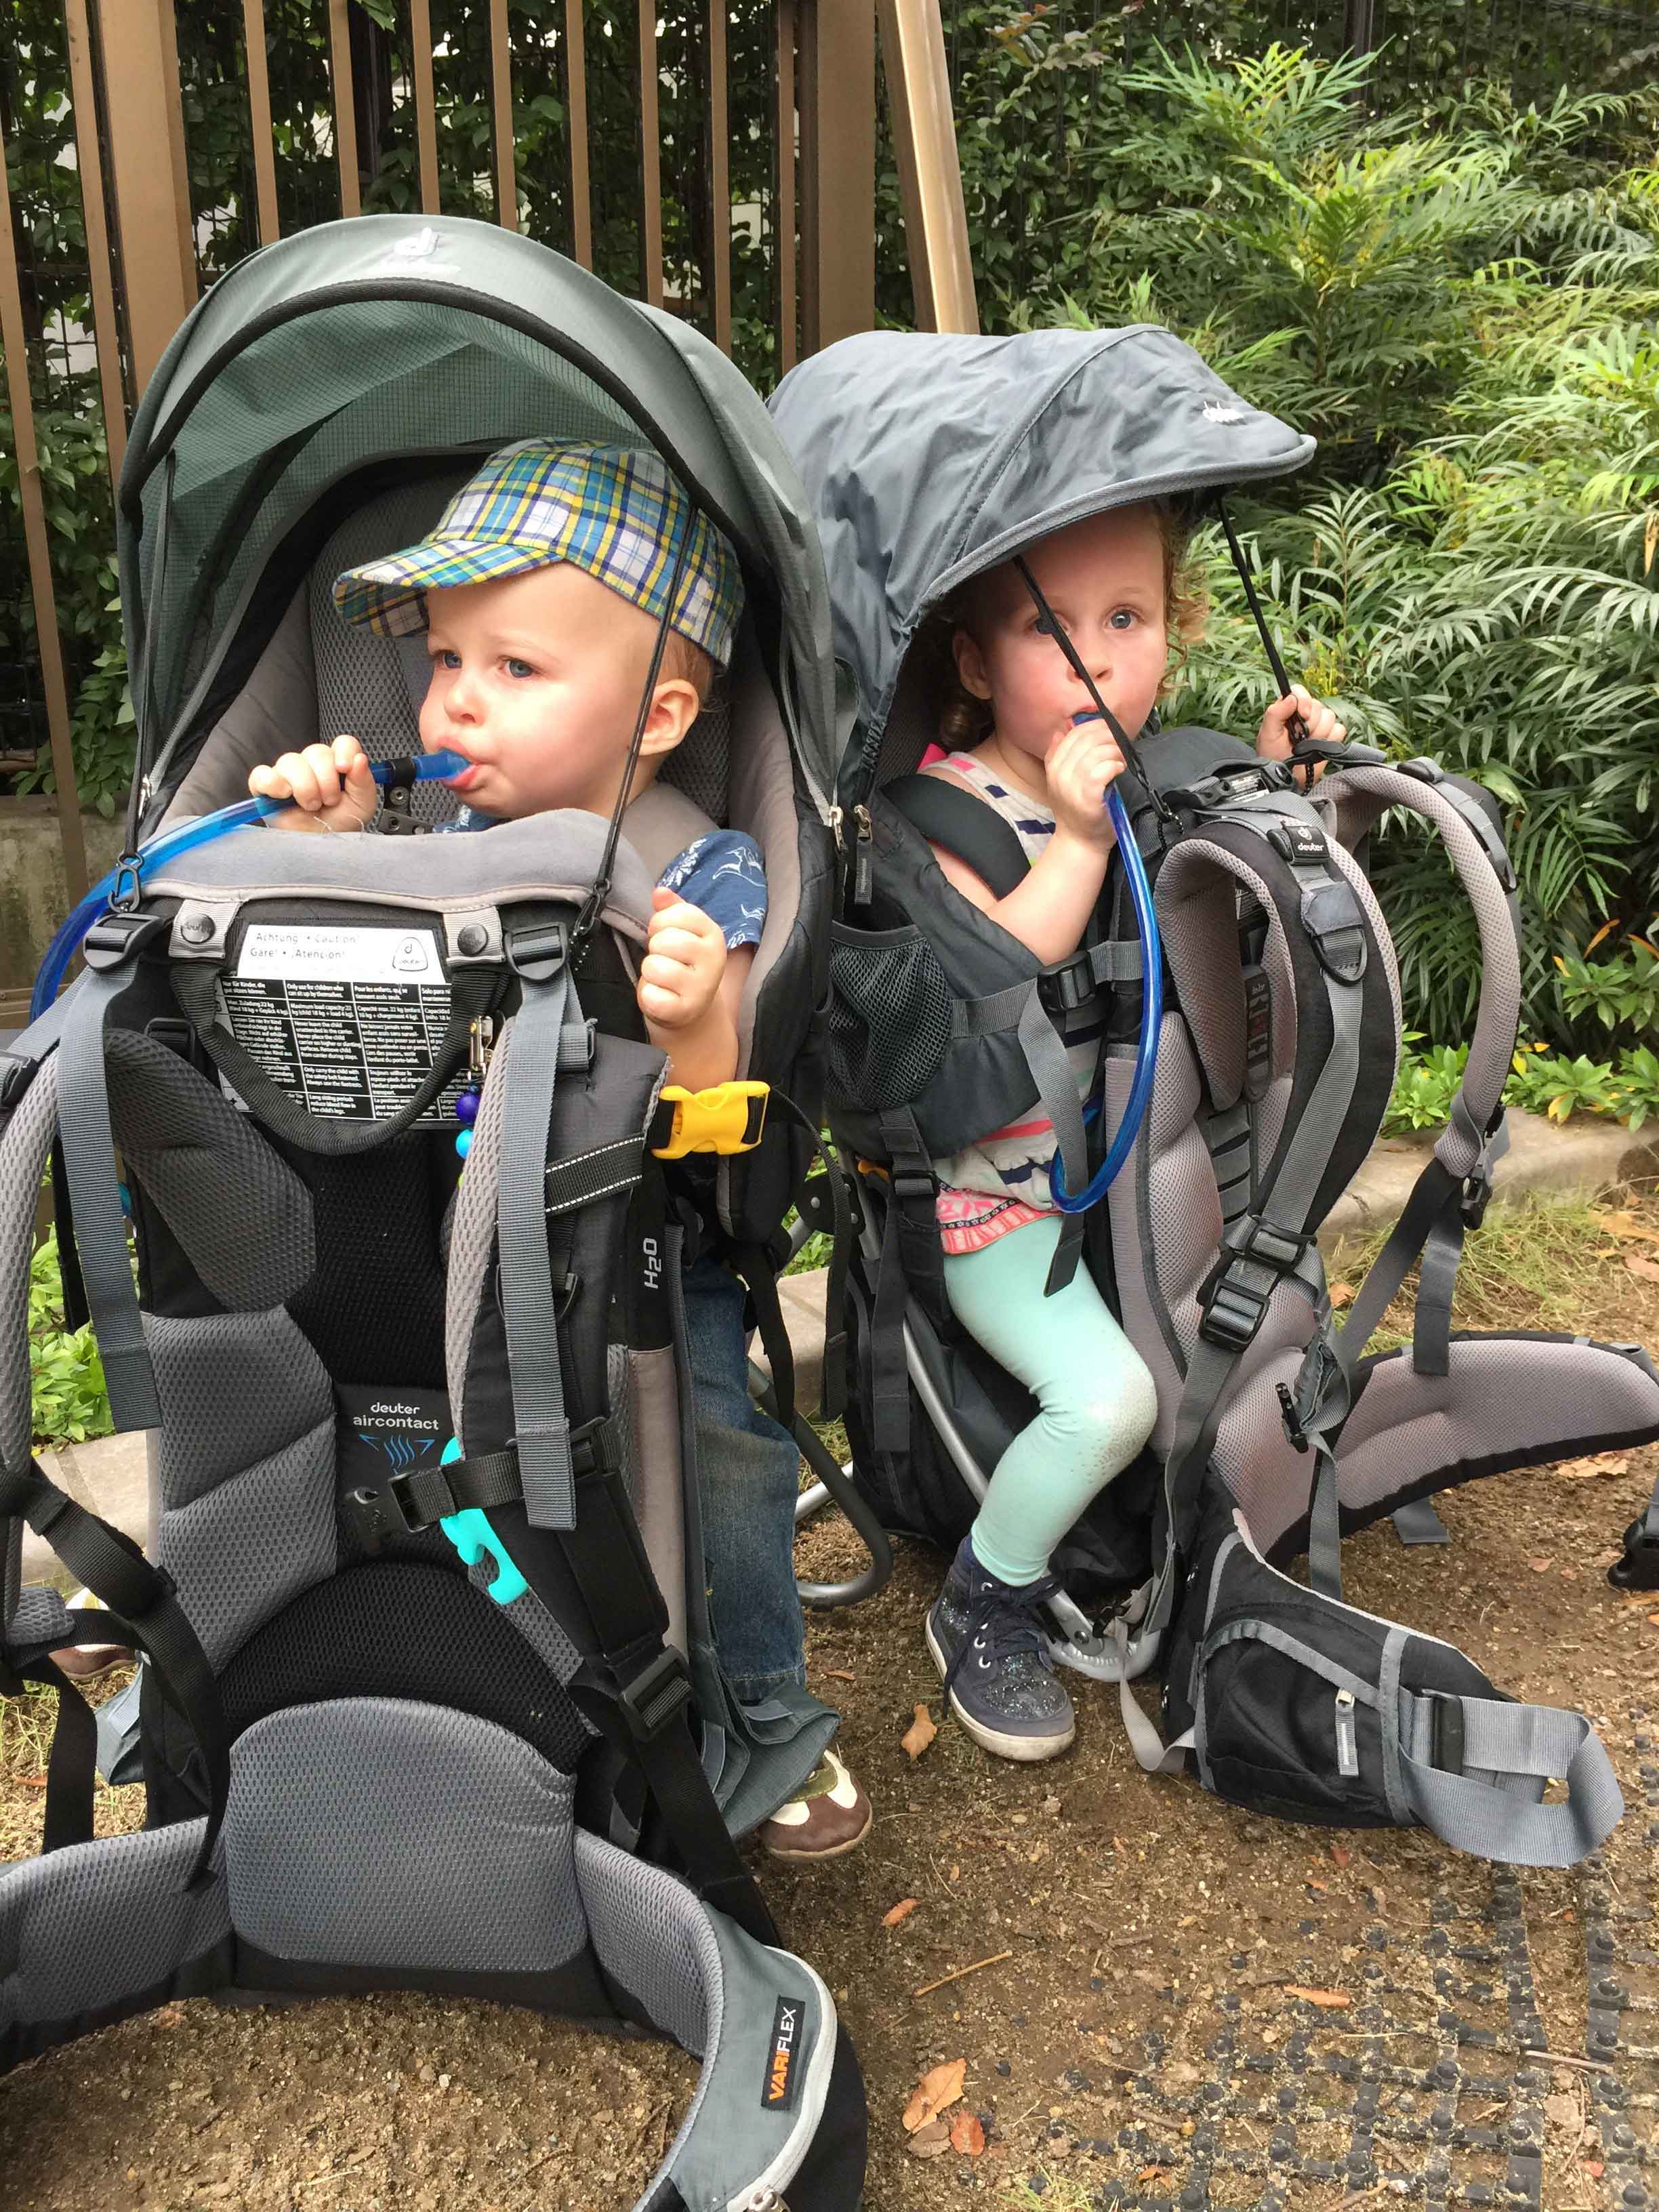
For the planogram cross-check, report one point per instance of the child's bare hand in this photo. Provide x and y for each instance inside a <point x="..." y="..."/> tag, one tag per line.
<point x="685" y="960"/>
<point x="330" y="786"/>
<point x="1081" y="767"/>
<point x="1273" y="740"/>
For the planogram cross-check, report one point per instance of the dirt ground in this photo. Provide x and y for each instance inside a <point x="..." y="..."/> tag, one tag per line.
<point x="1142" y="2037"/>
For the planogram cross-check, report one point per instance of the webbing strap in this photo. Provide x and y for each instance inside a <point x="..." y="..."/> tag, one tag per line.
<point x="142" y="1597"/>
<point x="541" y="1430"/>
<point x="1491" y="1807"/>
<point x="94" y="1193"/>
<point x="1058" y="1101"/>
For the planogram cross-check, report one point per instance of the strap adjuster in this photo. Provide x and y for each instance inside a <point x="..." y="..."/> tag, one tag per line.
<point x="1445" y="1730"/>
<point x="537" y="951"/>
<point x="657" y="1695"/>
<point x="1272" y="1246"/>
<point x="1064" y="989"/>
<point x="117" y="935"/>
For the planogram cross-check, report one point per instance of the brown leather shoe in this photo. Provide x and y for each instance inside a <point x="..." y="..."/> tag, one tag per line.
<point x="830" y="1816"/>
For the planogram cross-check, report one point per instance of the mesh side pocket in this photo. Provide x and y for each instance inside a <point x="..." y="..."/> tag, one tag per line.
<point x="889" y="1015"/>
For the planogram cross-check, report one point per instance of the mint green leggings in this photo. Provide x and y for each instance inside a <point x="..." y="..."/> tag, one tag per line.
<point x="1097" y="1398"/>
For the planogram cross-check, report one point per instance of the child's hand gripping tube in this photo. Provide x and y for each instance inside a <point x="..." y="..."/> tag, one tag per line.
<point x="126" y="880"/>
<point x="1152" y="1018"/>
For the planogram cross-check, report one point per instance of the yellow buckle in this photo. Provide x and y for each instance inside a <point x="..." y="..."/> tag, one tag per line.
<point x="730" y="1117"/>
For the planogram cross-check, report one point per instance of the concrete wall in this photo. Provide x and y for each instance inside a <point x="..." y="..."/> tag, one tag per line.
<point x="34" y="895"/>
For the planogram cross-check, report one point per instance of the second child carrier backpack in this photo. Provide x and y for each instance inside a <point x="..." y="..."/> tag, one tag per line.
<point x="428" y="1697"/>
<point x="930" y="460"/>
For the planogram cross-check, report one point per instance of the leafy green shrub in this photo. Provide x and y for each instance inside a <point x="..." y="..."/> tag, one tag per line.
<point x="1541" y="1082"/>
<point x="68" y="1399"/>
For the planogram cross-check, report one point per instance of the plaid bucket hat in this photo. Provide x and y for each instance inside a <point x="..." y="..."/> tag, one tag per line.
<point x="612" y="510"/>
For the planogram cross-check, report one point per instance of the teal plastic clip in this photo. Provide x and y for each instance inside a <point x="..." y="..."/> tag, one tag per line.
<point x="469" y="1531"/>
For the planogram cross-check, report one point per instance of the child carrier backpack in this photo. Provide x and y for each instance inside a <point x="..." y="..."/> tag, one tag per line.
<point x="1276" y="1057"/>
<point x="417" y="1714"/>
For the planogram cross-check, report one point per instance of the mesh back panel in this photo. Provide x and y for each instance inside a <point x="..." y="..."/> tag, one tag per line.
<point x="242" y="1216"/>
<point x="84" y="1927"/>
<point x="235" y="1388"/>
<point x="403" y="1631"/>
<point x="374" y="1308"/>
<point x="371" y="1832"/>
<point x="240" y="1554"/>
<point x="652" y="1935"/>
<point x="23" y="1150"/>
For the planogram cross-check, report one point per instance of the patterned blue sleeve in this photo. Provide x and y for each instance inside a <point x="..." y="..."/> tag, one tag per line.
<point x="722" y="874"/>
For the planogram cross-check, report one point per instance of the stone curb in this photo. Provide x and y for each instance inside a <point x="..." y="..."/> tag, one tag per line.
<point x="110" y="1477"/>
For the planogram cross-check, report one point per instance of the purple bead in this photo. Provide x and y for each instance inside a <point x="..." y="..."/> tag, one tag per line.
<point x="466" y="1109"/>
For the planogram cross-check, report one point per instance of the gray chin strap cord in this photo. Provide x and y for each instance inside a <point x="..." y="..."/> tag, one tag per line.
<point x="593" y="906"/>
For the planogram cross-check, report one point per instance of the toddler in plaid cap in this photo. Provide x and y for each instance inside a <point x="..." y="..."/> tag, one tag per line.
<point x="542" y="591"/>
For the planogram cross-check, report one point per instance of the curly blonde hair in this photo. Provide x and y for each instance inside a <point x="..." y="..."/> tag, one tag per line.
<point x="964" y="720"/>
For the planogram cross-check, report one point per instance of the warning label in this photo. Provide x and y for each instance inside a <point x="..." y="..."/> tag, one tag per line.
<point x="348" y="1021"/>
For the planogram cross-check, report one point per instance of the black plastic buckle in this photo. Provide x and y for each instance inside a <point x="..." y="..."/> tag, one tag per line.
<point x="1272" y="1246"/>
<point x="1293" y="1428"/>
<point x="117" y="937"/>
<point x="1638" y="1569"/>
<point x="1232" y="1312"/>
<point x="907" y="1183"/>
<point x="536" y="952"/>
<point x="1476" y="1195"/>
<point x="1063" y="989"/>
<point x="656" y="1697"/>
<point x="1445" y="1730"/>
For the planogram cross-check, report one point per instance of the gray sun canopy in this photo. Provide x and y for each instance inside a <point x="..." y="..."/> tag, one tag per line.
<point x="331" y="365"/>
<point x="931" y="458"/>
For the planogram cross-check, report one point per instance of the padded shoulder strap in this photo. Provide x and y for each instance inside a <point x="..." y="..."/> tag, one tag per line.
<point x="947" y="815"/>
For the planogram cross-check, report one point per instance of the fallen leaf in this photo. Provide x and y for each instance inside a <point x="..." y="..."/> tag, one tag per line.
<point x="1327" y="1999"/>
<point x="1594" y="2168"/>
<point x="1541" y="1566"/>
<point x="1339" y="1855"/>
<point x="919" y="1734"/>
<point x="1340" y="1294"/>
<point x="932" y="2140"/>
<point x="937" y="2089"/>
<point x="1323" y="1888"/>
<point x="1598" y="1463"/>
<point x="840" y="1674"/>
<point x="1624" y="1225"/>
<point x="1154" y="2174"/>
<point x="967" y="2135"/>
<point x="1639" y="1264"/>
<point x="901" y="1910"/>
<point x="33" y="1781"/>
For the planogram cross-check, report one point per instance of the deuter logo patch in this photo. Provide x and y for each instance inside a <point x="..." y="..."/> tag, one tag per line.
<point x="783" y="2058"/>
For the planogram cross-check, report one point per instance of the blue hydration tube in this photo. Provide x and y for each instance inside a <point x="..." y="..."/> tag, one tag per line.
<point x="1152" y="1019"/>
<point x="126" y="880"/>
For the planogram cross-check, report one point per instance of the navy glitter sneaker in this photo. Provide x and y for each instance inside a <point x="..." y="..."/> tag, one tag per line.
<point x="988" y="1647"/>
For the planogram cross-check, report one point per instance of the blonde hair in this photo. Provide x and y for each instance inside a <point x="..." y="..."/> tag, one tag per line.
<point x="965" y="720"/>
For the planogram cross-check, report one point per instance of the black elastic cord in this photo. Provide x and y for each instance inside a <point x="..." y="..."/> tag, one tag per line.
<point x="587" y="921"/>
<point x="1050" y="622"/>
<point x="1296" y="729"/>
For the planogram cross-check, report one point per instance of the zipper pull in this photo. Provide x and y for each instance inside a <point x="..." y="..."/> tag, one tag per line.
<point x="863" y="857"/>
<point x="1347" y="1742"/>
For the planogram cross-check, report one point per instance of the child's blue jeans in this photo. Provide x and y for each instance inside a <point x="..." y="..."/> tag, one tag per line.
<point x="749" y="1471"/>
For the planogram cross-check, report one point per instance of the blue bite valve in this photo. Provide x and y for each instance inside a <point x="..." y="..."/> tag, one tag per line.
<point x="1152" y="1018"/>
